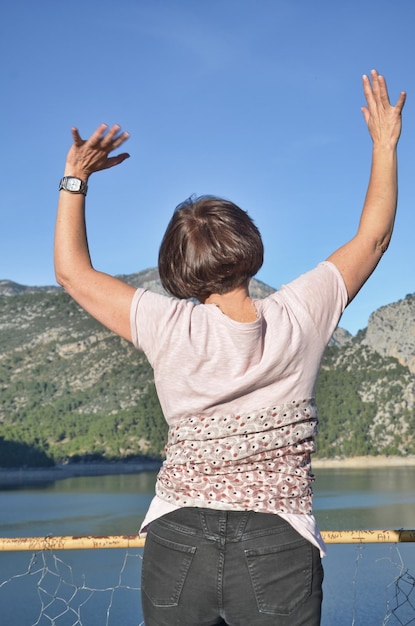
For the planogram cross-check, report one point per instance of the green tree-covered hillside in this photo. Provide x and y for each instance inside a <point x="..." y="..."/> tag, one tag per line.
<point x="71" y="390"/>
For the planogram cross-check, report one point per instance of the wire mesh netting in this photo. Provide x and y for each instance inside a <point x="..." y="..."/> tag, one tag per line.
<point x="102" y="587"/>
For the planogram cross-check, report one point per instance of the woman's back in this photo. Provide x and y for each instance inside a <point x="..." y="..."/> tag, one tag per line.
<point x="205" y="363"/>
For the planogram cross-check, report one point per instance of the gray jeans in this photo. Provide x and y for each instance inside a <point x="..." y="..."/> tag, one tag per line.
<point x="205" y="567"/>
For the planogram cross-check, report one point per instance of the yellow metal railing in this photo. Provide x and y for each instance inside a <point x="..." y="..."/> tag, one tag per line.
<point x="34" y="544"/>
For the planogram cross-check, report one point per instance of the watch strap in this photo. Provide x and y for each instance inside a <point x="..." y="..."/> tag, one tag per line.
<point x="65" y="184"/>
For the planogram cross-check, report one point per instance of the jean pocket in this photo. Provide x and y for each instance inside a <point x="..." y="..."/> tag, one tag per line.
<point x="281" y="576"/>
<point x="165" y="567"/>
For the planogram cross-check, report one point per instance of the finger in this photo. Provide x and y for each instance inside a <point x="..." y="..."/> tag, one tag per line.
<point x="366" y="114"/>
<point x="77" y="139"/>
<point x="401" y="101"/>
<point x="378" y="88"/>
<point x="368" y="91"/>
<point x="117" y="159"/>
<point x="114" y="138"/>
<point x="120" y="139"/>
<point x="384" y="95"/>
<point x="97" y="135"/>
<point x="382" y="91"/>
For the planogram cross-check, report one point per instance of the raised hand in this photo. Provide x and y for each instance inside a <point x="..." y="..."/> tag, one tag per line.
<point x="92" y="155"/>
<point x="383" y="120"/>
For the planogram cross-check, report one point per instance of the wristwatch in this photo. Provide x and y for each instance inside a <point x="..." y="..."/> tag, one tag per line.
<point x="73" y="184"/>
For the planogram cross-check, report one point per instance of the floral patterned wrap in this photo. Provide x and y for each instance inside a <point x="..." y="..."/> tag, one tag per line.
<point x="256" y="461"/>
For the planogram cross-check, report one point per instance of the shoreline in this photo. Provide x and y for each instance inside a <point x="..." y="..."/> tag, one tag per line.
<point x="362" y="462"/>
<point x="33" y="475"/>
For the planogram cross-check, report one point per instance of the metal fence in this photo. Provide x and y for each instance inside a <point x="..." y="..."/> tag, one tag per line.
<point x="60" y="595"/>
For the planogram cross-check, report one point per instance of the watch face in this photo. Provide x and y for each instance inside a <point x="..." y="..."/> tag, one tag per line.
<point x="73" y="184"/>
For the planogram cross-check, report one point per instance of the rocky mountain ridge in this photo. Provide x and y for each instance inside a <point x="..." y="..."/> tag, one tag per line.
<point x="391" y="331"/>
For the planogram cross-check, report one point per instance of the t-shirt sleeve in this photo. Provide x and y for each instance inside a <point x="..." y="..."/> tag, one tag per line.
<point x="150" y="314"/>
<point x="319" y="295"/>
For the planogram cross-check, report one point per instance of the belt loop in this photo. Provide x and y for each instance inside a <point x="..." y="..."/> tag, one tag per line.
<point x="212" y="529"/>
<point x="243" y="520"/>
<point x="223" y="527"/>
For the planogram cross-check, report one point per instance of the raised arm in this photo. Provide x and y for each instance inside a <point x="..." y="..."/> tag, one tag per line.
<point x="357" y="259"/>
<point x="104" y="297"/>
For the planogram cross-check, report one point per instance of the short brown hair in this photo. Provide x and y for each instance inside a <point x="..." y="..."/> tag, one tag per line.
<point x="210" y="246"/>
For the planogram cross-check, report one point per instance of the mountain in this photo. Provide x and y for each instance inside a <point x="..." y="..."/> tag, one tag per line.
<point x="71" y="390"/>
<point x="391" y="331"/>
<point x="9" y="288"/>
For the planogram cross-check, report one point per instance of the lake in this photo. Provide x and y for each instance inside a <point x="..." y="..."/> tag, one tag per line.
<point x="359" y="580"/>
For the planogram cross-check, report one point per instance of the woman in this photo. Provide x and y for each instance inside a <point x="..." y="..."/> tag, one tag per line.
<point x="231" y="538"/>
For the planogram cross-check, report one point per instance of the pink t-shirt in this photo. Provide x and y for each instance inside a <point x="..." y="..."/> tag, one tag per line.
<point x="208" y="366"/>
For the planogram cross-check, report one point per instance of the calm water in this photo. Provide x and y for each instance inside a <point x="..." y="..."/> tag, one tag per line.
<point x="358" y="580"/>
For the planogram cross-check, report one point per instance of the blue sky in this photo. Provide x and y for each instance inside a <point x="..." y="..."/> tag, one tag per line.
<point x="255" y="100"/>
